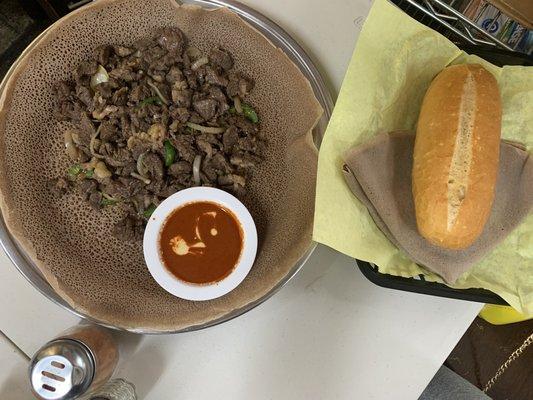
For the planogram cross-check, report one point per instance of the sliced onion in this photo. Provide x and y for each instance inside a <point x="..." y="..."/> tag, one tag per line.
<point x="91" y="144"/>
<point x="75" y="137"/>
<point x="140" y="165"/>
<point x="72" y="151"/>
<point x="99" y="115"/>
<point x="198" y="63"/>
<point x="159" y="94"/>
<point x="141" y="178"/>
<point x="206" y="129"/>
<point x="193" y="52"/>
<point x="108" y="197"/>
<point x="237" y="104"/>
<point x="101" y="171"/>
<point x="100" y="76"/>
<point x="196" y="169"/>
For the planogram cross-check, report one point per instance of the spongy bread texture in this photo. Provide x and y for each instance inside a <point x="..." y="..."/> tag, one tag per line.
<point x="72" y="244"/>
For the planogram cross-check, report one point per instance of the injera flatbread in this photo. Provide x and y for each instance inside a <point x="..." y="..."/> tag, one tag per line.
<point x="72" y="244"/>
<point x="379" y="174"/>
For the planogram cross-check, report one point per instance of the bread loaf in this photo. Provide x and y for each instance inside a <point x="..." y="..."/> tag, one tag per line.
<point x="456" y="155"/>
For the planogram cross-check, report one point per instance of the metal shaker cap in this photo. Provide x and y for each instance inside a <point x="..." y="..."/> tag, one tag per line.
<point x="62" y="369"/>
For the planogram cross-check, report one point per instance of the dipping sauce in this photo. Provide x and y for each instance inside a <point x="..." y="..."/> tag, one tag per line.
<point x="201" y="242"/>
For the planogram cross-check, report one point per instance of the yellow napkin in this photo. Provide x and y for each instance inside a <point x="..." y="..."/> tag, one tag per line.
<point x="392" y="66"/>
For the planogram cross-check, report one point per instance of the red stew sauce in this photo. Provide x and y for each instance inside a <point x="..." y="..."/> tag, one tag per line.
<point x="201" y="242"/>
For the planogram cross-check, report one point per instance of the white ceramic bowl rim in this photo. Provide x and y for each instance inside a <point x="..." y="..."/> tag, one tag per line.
<point x="190" y="291"/>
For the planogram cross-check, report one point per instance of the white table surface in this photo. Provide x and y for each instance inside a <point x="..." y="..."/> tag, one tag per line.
<point x="13" y="367"/>
<point x="329" y="334"/>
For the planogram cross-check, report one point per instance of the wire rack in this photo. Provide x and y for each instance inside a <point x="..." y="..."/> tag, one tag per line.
<point x="444" y="18"/>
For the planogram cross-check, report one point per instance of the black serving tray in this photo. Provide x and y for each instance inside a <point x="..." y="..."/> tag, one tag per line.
<point x="418" y="284"/>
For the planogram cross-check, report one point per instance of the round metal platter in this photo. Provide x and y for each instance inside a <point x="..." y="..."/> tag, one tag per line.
<point x="281" y="40"/>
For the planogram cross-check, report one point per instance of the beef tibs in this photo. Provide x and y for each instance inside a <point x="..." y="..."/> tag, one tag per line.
<point x="153" y="118"/>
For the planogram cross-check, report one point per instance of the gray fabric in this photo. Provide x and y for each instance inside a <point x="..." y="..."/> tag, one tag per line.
<point x="379" y="175"/>
<point x="447" y="385"/>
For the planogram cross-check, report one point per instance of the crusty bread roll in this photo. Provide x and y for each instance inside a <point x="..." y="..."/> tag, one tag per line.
<point x="456" y="155"/>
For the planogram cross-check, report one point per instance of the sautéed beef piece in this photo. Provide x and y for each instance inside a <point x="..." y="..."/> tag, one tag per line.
<point x="150" y="119"/>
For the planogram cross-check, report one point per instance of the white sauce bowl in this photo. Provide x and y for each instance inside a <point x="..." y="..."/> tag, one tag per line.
<point x="191" y="291"/>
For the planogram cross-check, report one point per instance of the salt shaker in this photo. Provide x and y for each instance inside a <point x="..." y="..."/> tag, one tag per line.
<point x="77" y="362"/>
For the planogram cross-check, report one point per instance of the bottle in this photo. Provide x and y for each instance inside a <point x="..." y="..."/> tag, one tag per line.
<point x="77" y="362"/>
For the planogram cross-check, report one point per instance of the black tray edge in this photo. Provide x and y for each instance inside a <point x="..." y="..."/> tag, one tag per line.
<point x="422" y="286"/>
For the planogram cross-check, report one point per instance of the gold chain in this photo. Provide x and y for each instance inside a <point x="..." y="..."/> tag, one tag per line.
<point x="506" y="364"/>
